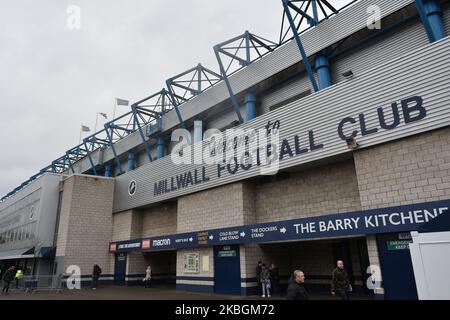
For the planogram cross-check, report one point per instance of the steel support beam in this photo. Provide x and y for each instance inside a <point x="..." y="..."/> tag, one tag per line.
<point x="91" y="161"/>
<point x="287" y="4"/>
<point x="234" y="102"/>
<point x="147" y="147"/>
<point x="111" y="145"/>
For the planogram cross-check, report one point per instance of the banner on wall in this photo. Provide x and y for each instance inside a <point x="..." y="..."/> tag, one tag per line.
<point x="383" y="220"/>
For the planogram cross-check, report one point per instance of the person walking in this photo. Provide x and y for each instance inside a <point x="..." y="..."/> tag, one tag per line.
<point x="296" y="289"/>
<point x="18" y="277"/>
<point x="8" y="277"/>
<point x="258" y="277"/>
<point x="265" y="281"/>
<point x="148" y="277"/>
<point x="96" y="272"/>
<point x="340" y="284"/>
<point x="274" y="278"/>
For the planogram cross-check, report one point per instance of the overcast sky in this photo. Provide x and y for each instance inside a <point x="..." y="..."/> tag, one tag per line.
<point x="53" y="79"/>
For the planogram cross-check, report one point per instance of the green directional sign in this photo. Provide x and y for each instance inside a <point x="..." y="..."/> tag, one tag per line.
<point x="225" y="254"/>
<point x="398" y="245"/>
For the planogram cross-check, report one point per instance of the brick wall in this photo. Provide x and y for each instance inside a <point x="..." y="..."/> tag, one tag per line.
<point x="407" y="171"/>
<point x="217" y="208"/>
<point x="325" y="190"/>
<point x="412" y="170"/>
<point x="85" y="225"/>
<point x="127" y="225"/>
<point x="160" y="220"/>
<point x="136" y="264"/>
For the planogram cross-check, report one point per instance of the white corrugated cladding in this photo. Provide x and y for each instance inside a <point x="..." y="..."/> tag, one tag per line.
<point x="424" y="72"/>
<point x="392" y="46"/>
<point x="325" y="34"/>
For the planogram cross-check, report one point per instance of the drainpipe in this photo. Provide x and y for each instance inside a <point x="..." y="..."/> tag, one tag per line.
<point x="250" y="105"/>
<point x="323" y="71"/>
<point x="161" y="147"/>
<point x="434" y="14"/>
<point x="198" y="131"/>
<point x="108" y="170"/>
<point x="131" y="161"/>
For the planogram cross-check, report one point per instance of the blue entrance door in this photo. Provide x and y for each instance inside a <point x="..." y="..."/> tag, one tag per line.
<point x="396" y="266"/>
<point x="120" y="269"/>
<point x="227" y="270"/>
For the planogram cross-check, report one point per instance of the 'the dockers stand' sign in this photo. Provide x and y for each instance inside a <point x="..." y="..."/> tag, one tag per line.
<point x="385" y="220"/>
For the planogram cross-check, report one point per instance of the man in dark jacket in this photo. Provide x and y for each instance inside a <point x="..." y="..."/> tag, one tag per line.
<point x="258" y="276"/>
<point x="96" y="272"/>
<point x="296" y="289"/>
<point x="340" y="284"/>
<point x="274" y="278"/>
<point x="8" y="277"/>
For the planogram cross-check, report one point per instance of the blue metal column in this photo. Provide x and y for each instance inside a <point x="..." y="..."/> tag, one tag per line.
<point x="323" y="71"/>
<point x="108" y="170"/>
<point x="161" y="147"/>
<point x="434" y="13"/>
<point x="131" y="161"/>
<point x="198" y="131"/>
<point x="250" y="105"/>
<point x="431" y="15"/>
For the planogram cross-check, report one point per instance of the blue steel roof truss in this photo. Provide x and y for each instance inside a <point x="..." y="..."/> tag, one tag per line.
<point x="240" y="52"/>
<point x="189" y="84"/>
<point x="150" y="115"/>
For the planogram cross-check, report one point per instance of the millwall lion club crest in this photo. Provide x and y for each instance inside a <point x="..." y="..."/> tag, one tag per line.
<point x="132" y="188"/>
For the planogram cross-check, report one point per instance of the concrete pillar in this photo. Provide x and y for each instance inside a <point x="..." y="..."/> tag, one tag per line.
<point x="323" y="71"/>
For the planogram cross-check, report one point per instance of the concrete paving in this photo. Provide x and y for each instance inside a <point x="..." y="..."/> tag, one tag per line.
<point x="140" y="293"/>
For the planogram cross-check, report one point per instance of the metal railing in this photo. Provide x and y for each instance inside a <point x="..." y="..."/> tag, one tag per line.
<point x="36" y="283"/>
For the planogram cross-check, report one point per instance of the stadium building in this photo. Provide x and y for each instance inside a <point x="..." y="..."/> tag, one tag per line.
<point x="358" y="104"/>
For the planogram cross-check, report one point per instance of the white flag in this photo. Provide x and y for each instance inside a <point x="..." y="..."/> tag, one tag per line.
<point x="121" y="102"/>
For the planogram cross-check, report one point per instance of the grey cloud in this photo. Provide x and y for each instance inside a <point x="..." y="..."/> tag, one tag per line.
<point x="52" y="80"/>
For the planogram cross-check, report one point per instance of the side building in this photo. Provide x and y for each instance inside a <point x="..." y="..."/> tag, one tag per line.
<point x="28" y="223"/>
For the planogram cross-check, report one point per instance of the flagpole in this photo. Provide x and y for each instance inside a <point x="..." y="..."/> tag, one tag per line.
<point x="114" y="110"/>
<point x="96" y="122"/>
<point x="81" y="131"/>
